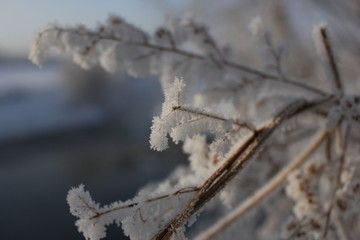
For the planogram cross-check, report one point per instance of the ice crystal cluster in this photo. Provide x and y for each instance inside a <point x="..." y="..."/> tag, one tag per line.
<point x="270" y="156"/>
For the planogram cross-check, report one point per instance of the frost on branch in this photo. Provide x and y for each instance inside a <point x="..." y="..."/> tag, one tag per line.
<point x="162" y="125"/>
<point x="180" y="121"/>
<point x="92" y="221"/>
<point x="140" y="217"/>
<point x="118" y="45"/>
<point x="227" y="115"/>
<point x="104" y="46"/>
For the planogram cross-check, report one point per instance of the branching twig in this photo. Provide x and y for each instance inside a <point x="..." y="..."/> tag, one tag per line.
<point x="181" y="191"/>
<point x="170" y="48"/>
<point x="213" y="116"/>
<point x="191" y="55"/>
<point x="331" y="59"/>
<point x="275" y="53"/>
<point x="232" y="166"/>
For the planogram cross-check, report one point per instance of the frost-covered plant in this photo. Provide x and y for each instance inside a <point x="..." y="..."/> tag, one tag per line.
<point x="243" y="129"/>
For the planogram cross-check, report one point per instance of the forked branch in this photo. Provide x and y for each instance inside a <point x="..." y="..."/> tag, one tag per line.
<point x="233" y="165"/>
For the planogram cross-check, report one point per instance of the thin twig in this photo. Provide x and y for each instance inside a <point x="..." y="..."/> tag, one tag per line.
<point x="328" y="147"/>
<point x="286" y="80"/>
<point x="330" y="56"/>
<point x="274" y="53"/>
<point x="214" y="116"/>
<point x="181" y="191"/>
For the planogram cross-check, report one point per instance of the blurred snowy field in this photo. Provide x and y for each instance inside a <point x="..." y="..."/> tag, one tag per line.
<point x="32" y="103"/>
<point x="51" y="140"/>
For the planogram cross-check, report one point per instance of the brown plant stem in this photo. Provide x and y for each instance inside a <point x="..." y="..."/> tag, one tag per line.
<point x="331" y="59"/>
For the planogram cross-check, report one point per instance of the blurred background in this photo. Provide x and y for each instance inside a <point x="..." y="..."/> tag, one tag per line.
<point x="61" y="126"/>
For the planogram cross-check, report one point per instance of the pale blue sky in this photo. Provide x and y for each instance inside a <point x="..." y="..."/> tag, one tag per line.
<point x="20" y="20"/>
